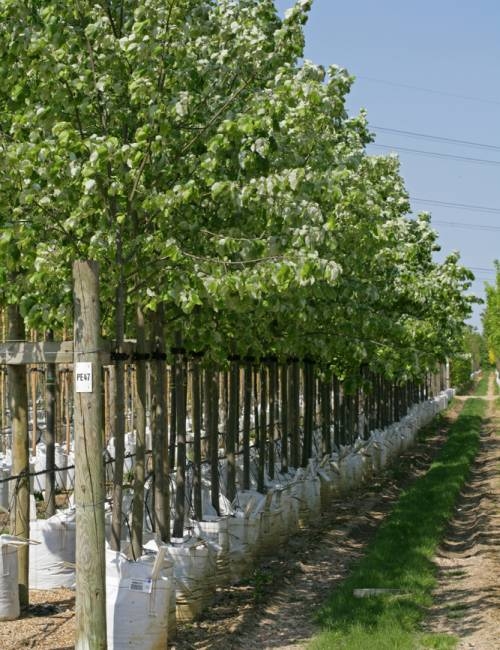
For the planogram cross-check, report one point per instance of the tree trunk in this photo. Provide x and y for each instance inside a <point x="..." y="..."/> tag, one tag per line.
<point x="262" y="429"/>
<point x="159" y="433"/>
<point x="180" y="477"/>
<point x="213" y="434"/>
<point x="140" y="442"/>
<point x="247" y="407"/>
<point x="50" y="433"/>
<point x="18" y="405"/>
<point x="284" y="418"/>
<point x="232" y="428"/>
<point x="273" y="389"/>
<point x="119" y="417"/>
<point x="196" y="393"/>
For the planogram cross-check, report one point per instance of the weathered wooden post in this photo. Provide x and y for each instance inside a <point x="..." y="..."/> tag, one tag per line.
<point x="89" y="468"/>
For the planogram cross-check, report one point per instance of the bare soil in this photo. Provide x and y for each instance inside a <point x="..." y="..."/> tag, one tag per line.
<point x="467" y="599"/>
<point x="275" y="608"/>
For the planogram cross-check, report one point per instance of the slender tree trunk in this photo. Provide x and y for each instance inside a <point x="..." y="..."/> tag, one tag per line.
<point x="50" y="433"/>
<point x="326" y="445"/>
<point x="262" y="429"/>
<point x="173" y="417"/>
<point x="119" y="417"/>
<point x="180" y="478"/>
<point x="308" y="411"/>
<point x="295" y="412"/>
<point x="284" y="417"/>
<point x="33" y="370"/>
<point x="256" y="413"/>
<point x="213" y="434"/>
<point x="140" y="441"/>
<point x="336" y="411"/>
<point x="273" y="386"/>
<point x="247" y="406"/>
<point x="67" y="409"/>
<point x="159" y="433"/>
<point x="232" y="428"/>
<point x="18" y="405"/>
<point x="196" y="393"/>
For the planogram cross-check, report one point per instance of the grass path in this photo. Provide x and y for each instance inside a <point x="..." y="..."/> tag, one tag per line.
<point x="467" y="598"/>
<point x="401" y="556"/>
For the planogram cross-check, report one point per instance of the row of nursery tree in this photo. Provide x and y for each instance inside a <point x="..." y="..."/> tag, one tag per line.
<point x="221" y="186"/>
<point x="226" y="194"/>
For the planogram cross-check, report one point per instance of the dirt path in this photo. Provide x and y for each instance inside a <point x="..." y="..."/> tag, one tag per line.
<point x="277" y="609"/>
<point x="467" y="600"/>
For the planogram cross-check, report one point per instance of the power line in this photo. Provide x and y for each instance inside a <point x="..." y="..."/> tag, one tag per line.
<point x="482" y="269"/>
<point x="468" y="226"/>
<point x="460" y="206"/>
<point x="435" y="154"/>
<point x="437" y="138"/>
<point x="482" y="100"/>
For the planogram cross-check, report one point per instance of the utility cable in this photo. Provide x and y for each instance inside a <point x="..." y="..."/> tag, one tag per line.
<point x="437" y="138"/>
<point x="444" y="93"/>
<point x="459" y="206"/>
<point x="466" y="226"/>
<point x="435" y="154"/>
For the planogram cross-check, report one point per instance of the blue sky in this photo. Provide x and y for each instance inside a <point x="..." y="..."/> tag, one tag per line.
<point x="430" y="68"/>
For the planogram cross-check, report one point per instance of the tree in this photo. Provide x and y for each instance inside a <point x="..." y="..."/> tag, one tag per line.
<point x="491" y="318"/>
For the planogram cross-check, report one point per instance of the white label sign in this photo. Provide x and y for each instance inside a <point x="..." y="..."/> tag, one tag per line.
<point x="83" y="377"/>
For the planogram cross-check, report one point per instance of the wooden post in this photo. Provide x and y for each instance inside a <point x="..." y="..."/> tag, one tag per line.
<point x="89" y="470"/>
<point x="18" y="403"/>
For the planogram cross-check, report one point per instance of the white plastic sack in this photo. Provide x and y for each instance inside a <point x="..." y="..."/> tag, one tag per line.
<point x="9" y="585"/>
<point x="137" y="601"/>
<point x="4" y="487"/>
<point x="195" y="570"/>
<point x="52" y="560"/>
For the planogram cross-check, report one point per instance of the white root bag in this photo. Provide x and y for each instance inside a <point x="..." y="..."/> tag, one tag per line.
<point x="52" y="558"/>
<point x="137" y="601"/>
<point x="9" y="586"/>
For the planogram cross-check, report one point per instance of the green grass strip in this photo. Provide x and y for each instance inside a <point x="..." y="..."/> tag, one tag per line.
<point x="481" y="389"/>
<point x="400" y="557"/>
